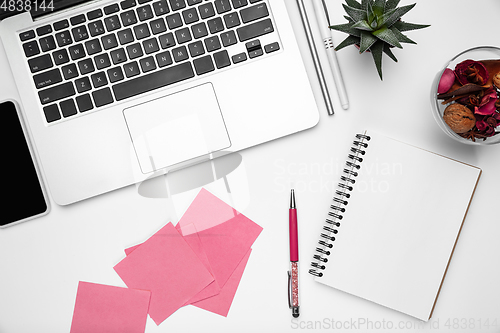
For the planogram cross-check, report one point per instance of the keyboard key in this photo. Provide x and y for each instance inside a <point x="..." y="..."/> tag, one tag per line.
<point x="255" y="53"/>
<point x="203" y="65"/>
<point x="150" y="46"/>
<point x="93" y="46"/>
<point x="40" y="63"/>
<point x="141" y="31"/>
<point x="63" y="38"/>
<point x="167" y="40"/>
<point x="134" y="51"/>
<point x="84" y="103"/>
<point x="272" y="47"/>
<point x="174" y="21"/>
<point x="94" y="14"/>
<point x="51" y="113"/>
<point x="190" y="16"/>
<point x="115" y="74"/>
<point x="154" y="80"/>
<point x="143" y="1"/>
<point x="177" y="4"/>
<point x="215" y="25"/>
<point x="46" y="29"/>
<point x="231" y="20"/>
<point x="96" y="28"/>
<point x="239" y="57"/>
<point x="31" y="48"/>
<point x="80" y="33"/>
<point x="64" y="24"/>
<point x="131" y="69"/>
<point x="60" y="56"/>
<point x="102" y="97"/>
<point x="222" y="6"/>
<point x="128" y="18"/>
<point x="157" y="26"/>
<point x="180" y="54"/>
<point x="99" y="79"/>
<point x="24" y="36"/>
<point x="69" y="71"/>
<point x="163" y="59"/>
<point x="68" y="108"/>
<point x="109" y="41"/>
<point x="199" y="30"/>
<point x="86" y="66"/>
<point x="118" y="56"/>
<point x="76" y="52"/>
<point x="47" y="43"/>
<point x="196" y="49"/>
<point x="193" y="2"/>
<point x="79" y="19"/>
<point x="183" y="35"/>
<point x="254" y="12"/>
<point x="127" y="4"/>
<point x="144" y="13"/>
<point x="112" y="23"/>
<point x="111" y="9"/>
<point x="147" y="64"/>
<point x="160" y="7"/>
<point x="125" y="36"/>
<point x="212" y="43"/>
<point x="239" y="3"/>
<point x="56" y="93"/>
<point x="46" y="79"/>
<point x="206" y="10"/>
<point x="83" y="84"/>
<point x="255" y="30"/>
<point x="228" y="38"/>
<point x="222" y="59"/>
<point x="102" y="61"/>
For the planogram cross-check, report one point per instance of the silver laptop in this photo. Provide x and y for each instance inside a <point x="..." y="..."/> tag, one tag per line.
<point x="117" y="92"/>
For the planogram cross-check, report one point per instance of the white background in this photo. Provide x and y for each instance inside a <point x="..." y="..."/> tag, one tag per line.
<point x="41" y="261"/>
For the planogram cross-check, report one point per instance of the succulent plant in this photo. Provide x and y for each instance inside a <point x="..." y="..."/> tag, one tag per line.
<point x="376" y="25"/>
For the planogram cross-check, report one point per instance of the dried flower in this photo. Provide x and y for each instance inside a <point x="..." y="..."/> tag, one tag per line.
<point x="487" y="104"/>
<point x="487" y="124"/>
<point x="470" y="71"/>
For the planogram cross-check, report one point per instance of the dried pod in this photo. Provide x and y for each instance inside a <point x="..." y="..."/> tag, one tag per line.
<point x="496" y="80"/>
<point x="460" y="118"/>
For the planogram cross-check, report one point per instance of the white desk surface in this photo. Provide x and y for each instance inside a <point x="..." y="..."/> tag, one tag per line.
<point x="42" y="260"/>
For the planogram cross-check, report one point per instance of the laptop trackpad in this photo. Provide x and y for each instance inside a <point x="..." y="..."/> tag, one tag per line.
<point x="176" y="128"/>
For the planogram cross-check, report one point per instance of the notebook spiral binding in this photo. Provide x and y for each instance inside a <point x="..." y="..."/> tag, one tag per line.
<point x="340" y="200"/>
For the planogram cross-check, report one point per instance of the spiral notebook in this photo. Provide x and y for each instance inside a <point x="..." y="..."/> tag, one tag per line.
<point x="393" y="224"/>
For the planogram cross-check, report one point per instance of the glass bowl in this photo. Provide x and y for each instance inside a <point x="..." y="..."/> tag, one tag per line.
<point x="476" y="53"/>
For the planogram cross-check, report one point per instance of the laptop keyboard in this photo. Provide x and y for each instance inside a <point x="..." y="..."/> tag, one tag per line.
<point x="126" y="49"/>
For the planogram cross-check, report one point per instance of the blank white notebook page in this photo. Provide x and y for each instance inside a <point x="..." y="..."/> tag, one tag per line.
<point x="400" y="226"/>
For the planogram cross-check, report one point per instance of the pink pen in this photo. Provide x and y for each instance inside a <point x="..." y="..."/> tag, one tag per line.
<point x="293" y="273"/>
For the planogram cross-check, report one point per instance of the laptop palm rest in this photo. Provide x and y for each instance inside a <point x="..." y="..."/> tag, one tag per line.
<point x="176" y="128"/>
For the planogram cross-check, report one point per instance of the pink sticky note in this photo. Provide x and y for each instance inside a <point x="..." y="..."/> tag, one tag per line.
<point x="106" y="309"/>
<point x="225" y="234"/>
<point x="221" y="303"/>
<point x="167" y="266"/>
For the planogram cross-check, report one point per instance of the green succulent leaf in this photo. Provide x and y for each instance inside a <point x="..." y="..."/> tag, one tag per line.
<point x="367" y="40"/>
<point x="379" y="7"/>
<point x="400" y="11"/>
<point x="405" y="26"/>
<point x="387" y="50"/>
<point x="391" y="4"/>
<point x="353" y="4"/>
<point x="376" y="51"/>
<point x="350" y="40"/>
<point x="385" y="17"/>
<point x="370" y="15"/>
<point x="348" y="19"/>
<point x="347" y="28"/>
<point x="386" y="35"/>
<point x="363" y="25"/>
<point x="401" y="37"/>
<point x="355" y="14"/>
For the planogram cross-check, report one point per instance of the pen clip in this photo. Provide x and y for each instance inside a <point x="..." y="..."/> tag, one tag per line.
<point x="289" y="290"/>
<point x="326" y="12"/>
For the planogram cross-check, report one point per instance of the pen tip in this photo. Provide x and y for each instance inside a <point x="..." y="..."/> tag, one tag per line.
<point x="292" y="199"/>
